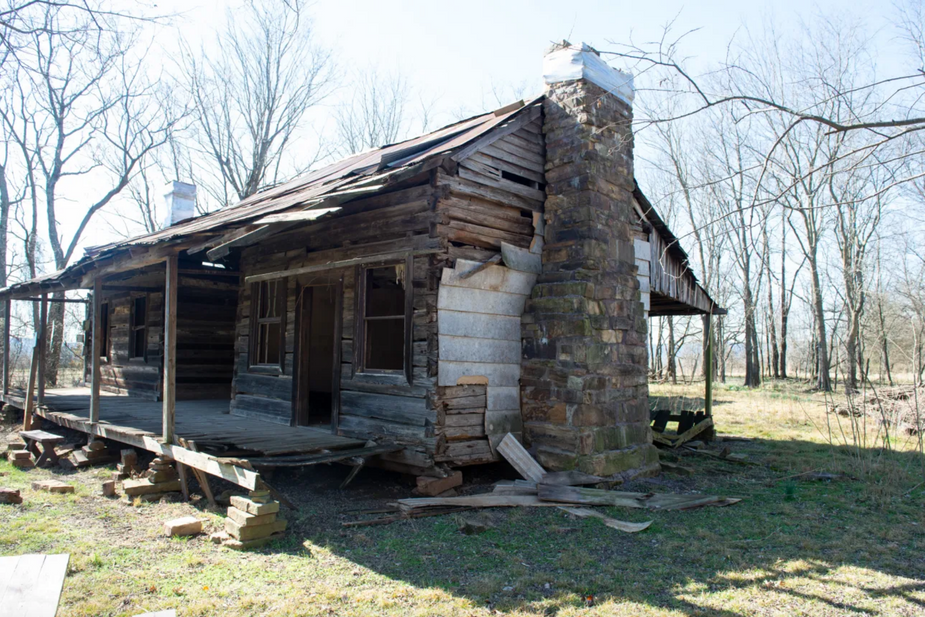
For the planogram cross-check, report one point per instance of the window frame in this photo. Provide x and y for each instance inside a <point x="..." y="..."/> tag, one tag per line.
<point x="255" y="323"/>
<point x="134" y="327"/>
<point x="401" y="376"/>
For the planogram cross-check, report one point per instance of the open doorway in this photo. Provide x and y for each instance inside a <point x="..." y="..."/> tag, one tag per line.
<point x="318" y="355"/>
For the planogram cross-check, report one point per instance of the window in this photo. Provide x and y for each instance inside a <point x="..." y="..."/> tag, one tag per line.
<point x="268" y="329"/>
<point x="384" y="319"/>
<point x="138" y="328"/>
<point x="104" y="331"/>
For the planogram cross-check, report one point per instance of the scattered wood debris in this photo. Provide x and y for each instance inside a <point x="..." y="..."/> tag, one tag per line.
<point x="184" y="526"/>
<point x="520" y="459"/>
<point x="52" y="486"/>
<point x="610" y="522"/>
<point x="541" y="489"/>
<point x="432" y="487"/>
<point x="10" y="496"/>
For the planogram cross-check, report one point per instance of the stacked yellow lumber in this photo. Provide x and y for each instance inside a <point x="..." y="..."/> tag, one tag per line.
<point x="160" y="478"/>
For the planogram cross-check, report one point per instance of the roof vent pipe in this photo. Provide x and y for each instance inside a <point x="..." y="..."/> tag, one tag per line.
<point x="180" y="199"/>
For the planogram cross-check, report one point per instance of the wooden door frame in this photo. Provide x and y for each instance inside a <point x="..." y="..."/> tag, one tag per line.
<point x="300" y="390"/>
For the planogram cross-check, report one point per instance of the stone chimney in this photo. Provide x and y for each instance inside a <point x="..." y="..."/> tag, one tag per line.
<point x="180" y="199"/>
<point x="585" y="394"/>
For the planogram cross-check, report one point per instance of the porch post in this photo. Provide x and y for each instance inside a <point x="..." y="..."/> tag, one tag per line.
<point x="95" y="350"/>
<point x="42" y="342"/>
<point x="170" y="347"/>
<point x="7" y="310"/>
<point x="708" y="365"/>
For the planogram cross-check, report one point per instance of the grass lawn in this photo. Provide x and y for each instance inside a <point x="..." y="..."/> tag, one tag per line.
<point x="791" y="547"/>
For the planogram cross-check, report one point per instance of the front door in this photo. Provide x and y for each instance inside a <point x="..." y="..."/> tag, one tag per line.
<point x="318" y="355"/>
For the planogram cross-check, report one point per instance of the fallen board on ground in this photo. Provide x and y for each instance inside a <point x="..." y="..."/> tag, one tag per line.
<point x="520" y="459"/>
<point x="30" y="585"/>
<point x="610" y="522"/>
<point x="650" y="501"/>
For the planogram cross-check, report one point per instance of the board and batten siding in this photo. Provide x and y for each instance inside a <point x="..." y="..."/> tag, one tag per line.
<point x="480" y="339"/>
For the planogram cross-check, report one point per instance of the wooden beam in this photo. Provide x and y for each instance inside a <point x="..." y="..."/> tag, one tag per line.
<point x="249" y="238"/>
<point x="29" y="406"/>
<point x="708" y="366"/>
<point x="170" y="348"/>
<point x="200" y="460"/>
<point x="95" y="351"/>
<point x="343" y="263"/>
<point x="7" y="311"/>
<point x="42" y="342"/>
<point x="62" y="300"/>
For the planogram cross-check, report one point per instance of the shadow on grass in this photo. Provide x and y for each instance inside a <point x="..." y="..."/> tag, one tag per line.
<point x="817" y="547"/>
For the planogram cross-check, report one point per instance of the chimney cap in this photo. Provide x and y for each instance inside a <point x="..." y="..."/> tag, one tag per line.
<point x="566" y="62"/>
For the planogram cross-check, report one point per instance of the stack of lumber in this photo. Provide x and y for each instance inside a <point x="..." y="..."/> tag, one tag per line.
<point x="94" y="453"/>
<point x="252" y="521"/>
<point x="160" y="478"/>
<point x="21" y="459"/>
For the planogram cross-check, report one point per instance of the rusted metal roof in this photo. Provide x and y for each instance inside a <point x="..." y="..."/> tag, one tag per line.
<point x="374" y="170"/>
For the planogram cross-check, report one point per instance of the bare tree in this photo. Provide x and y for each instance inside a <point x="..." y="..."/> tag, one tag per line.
<point x="377" y="113"/>
<point x="83" y="104"/>
<point x="252" y="90"/>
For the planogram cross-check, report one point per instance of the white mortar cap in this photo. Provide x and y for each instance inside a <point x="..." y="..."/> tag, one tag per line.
<point x="567" y="62"/>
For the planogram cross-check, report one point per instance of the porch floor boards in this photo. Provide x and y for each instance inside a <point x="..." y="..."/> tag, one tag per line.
<point x="207" y="422"/>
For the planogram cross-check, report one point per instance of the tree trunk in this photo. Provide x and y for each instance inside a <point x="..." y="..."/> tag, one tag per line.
<point x="752" y="363"/>
<point x="823" y="380"/>
<point x="672" y="367"/>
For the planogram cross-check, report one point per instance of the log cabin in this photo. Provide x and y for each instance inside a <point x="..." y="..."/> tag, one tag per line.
<point x="412" y="304"/>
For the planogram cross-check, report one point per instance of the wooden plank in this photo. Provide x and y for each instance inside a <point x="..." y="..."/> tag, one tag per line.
<point x="401" y="409"/>
<point x="651" y="501"/>
<point x="7" y="310"/>
<point x="608" y="521"/>
<point x="95" y="360"/>
<point x="30" y="388"/>
<point x="204" y="462"/>
<point x="35" y="586"/>
<point x="42" y="343"/>
<point x="343" y="263"/>
<point x="299" y="216"/>
<point x="170" y="349"/>
<point x="520" y="459"/>
<point x="475" y="501"/>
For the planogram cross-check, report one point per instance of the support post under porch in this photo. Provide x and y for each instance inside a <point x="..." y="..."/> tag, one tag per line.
<point x="7" y="313"/>
<point x="42" y="342"/>
<point x="96" y="333"/>
<point x="170" y="348"/>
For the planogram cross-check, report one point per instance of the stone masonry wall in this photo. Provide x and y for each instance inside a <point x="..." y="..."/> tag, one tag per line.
<point x="584" y="388"/>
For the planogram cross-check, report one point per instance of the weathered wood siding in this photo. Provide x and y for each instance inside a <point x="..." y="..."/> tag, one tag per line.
<point x="370" y="405"/>
<point x="205" y="347"/>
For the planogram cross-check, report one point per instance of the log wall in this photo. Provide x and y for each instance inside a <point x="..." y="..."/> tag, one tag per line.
<point x="371" y="405"/>
<point x="205" y="347"/>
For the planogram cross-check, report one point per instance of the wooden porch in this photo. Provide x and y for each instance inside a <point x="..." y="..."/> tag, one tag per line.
<point x="206" y="422"/>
